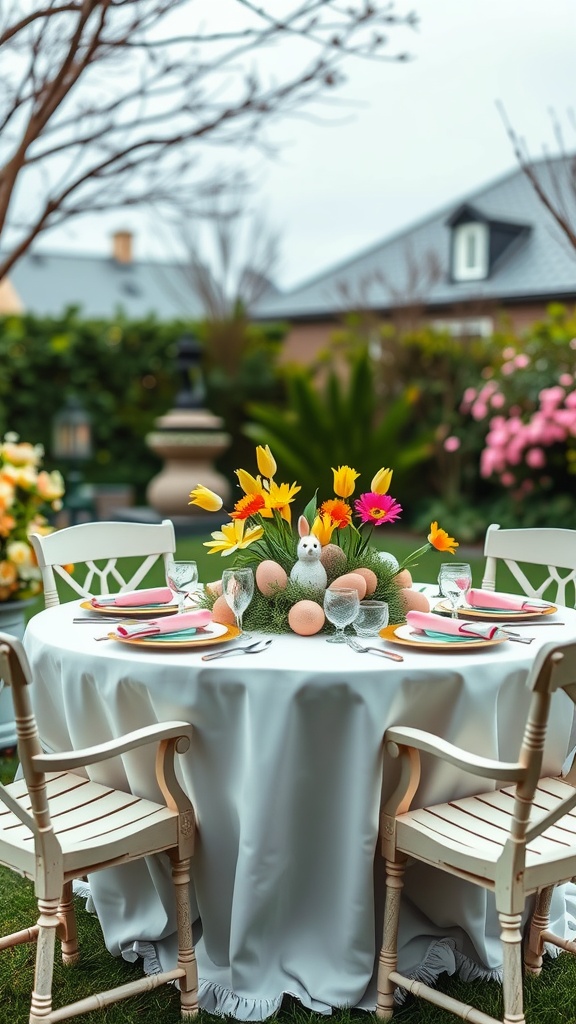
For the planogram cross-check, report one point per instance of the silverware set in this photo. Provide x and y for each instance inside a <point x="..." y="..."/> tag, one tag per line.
<point x="361" y="649"/>
<point x="253" y="648"/>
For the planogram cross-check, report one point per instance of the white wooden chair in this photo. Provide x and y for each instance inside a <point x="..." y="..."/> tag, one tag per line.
<point x="554" y="548"/>
<point x="515" y="841"/>
<point x="56" y="825"/>
<point x="89" y="543"/>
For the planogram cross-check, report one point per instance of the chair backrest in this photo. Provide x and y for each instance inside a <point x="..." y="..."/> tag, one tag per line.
<point x="553" y="548"/>
<point x="15" y="672"/>
<point x="89" y="543"/>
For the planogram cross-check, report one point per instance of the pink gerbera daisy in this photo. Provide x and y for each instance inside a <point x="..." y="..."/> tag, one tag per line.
<point x="377" y="508"/>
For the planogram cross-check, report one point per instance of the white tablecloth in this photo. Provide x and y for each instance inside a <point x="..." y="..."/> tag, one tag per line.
<point x="285" y="772"/>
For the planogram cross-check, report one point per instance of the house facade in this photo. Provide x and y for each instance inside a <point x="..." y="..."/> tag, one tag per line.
<point x="497" y="251"/>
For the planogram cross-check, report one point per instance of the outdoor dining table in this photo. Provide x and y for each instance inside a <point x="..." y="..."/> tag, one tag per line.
<point x="285" y="771"/>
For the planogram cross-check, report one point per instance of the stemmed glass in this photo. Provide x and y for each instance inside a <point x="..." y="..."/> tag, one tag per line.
<point x="341" y="606"/>
<point x="180" y="577"/>
<point x="238" y="589"/>
<point x="454" y="580"/>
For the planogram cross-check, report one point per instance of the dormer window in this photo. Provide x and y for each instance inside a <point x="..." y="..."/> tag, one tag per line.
<point x="470" y="252"/>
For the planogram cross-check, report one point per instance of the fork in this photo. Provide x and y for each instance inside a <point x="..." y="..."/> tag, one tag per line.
<point x="360" y="649"/>
<point x="255" y="648"/>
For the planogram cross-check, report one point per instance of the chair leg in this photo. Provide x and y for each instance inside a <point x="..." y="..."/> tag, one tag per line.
<point x="511" y="937"/>
<point x="42" y="994"/>
<point x="388" y="960"/>
<point x="67" y="932"/>
<point x="186" y="953"/>
<point x="538" y="924"/>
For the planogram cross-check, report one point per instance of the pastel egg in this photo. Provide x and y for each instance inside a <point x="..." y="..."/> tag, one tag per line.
<point x="332" y="557"/>
<point x="403" y="578"/>
<point x="352" y="580"/>
<point x="270" y="577"/>
<point x="389" y="559"/>
<point x="371" y="579"/>
<point x="221" y="612"/>
<point x="413" y="600"/>
<point x="306" y="618"/>
<point x="214" y="589"/>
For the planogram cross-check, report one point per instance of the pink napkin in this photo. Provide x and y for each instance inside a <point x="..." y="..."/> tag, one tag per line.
<point x="489" y="599"/>
<point x="169" y="624"/>
<point x="430" y="623"/>
<point x="156" y="595"/>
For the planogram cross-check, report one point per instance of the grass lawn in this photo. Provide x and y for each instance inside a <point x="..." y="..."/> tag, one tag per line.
<point x="550" y="999"/>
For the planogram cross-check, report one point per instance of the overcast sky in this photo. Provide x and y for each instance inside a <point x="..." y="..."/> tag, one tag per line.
<point x="412" y="137"/>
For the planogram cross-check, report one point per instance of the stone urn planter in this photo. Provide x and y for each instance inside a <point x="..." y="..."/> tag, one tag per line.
<point x="12" y="621"/>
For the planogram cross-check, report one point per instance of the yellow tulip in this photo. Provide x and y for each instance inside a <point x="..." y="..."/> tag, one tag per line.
<point x="344" y="481"/>
<point x="323" y="528"/>
<point x="249" y="484"/>
<point x="205" y="498"/>
<point x="266" y="462"/>
<point x="381" y="482"/>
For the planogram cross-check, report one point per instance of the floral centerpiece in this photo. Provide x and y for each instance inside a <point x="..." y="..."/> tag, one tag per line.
<point x="332" y="544"/>
<point x="27" y="492"/>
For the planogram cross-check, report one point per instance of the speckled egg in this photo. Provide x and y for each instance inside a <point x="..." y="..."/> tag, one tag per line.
<point x="389" y="559"/>
<point x="306" y="618"/>
<point x="353" y="580"/>
<point x="413" y="600"/>
<point x="221" y="612"/>
<point x="214" y="589"/>
<point x="332" y="557"/>
<point x="269" y="577"/>
<point x="403" y="578"/>
<point x="371" y="579"/>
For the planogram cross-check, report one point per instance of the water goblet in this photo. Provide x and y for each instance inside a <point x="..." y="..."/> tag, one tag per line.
<point x="181" y="577"/>
<point x="371" y="618"/>
<point x="454" y="580"/>
<point x="238" y="589"/>
<point x="341" y="606"/>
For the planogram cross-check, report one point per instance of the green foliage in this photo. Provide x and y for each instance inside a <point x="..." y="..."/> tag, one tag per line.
<point x="340" y="422"/>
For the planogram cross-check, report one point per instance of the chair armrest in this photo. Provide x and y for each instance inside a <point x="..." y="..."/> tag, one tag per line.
<point x="103" y="751"/>
<point x="399" y="736"/>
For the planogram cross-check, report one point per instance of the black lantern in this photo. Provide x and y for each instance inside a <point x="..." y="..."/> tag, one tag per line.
<point x="189" y="366"/>
<point x="72" y="443"/>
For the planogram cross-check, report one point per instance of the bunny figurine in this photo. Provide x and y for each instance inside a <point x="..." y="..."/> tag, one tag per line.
<point x="308" y="570"/>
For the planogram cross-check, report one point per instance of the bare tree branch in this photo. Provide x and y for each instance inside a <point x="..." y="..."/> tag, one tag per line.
<point x="104" y="103"/>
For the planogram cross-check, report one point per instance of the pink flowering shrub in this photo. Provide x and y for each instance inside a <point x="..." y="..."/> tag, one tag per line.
<point x="526" y="403"/>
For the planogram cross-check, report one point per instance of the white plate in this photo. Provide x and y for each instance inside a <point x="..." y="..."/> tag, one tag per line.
<point x="466" y="612"/>
<point x="213" y="633"/>
<point x="405" y="635"/>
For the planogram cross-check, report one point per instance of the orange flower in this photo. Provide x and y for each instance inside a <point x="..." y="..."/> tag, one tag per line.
<point x="440" y="540"/>
<point x="248" y="506"/>
<point x="7" y="523"/>
<point x="339" y="512"/>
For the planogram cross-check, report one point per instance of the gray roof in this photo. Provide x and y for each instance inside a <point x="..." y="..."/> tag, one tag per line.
<point x="49" y="282"/>
<point x="413" y="265"/>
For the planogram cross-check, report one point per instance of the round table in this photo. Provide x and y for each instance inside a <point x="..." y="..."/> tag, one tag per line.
<point x="285" y="771"/>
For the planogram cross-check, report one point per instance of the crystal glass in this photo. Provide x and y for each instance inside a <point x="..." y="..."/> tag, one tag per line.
<point x="182" y="578"/>
<point x="454" y="581"/>
<point x="238" y="589"/>
<point x="371" y="618"/>
<point x="341" y="606"/>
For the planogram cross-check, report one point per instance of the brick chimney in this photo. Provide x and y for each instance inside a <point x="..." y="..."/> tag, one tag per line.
<point x="122" y="246"/>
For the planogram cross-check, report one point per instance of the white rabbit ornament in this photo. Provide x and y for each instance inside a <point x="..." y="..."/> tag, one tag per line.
<point x="308" y="570"/>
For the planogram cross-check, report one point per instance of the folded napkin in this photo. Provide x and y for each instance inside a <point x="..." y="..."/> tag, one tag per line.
<point x="492" y="601"/>
<point x="432" y="624"/>
<point x="155" y="595"/>
<point x="170" y="624"/>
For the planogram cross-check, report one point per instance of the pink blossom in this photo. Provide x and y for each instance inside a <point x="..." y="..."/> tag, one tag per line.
<point x="479" y="410"/>
<point x="551" y="397"/>
<point x="452" y="444"/>
<point x="508" y="479"/>
<point x="570" y="400"/>
<point x="535" y="458"/>
<point x="521" y="361"/>
<point x="497" y="400"/>
<point x="508" y="369"/>
<point x="509" y="352"/>
<point x="566" y="379"/>
<point x="515" y="410"/>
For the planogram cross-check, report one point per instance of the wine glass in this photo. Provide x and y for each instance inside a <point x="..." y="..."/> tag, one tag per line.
<point x="238" y="589"/>
<point x="180" y="577"/>
<point x="371" y="618"/>
<point x="341" y="606"/>
<point x="454" y="580"/>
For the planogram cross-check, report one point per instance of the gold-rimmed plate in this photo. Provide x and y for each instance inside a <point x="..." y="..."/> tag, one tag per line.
<point x="495" y="614"/>
<point x="406" y="635"/>
<point x="138" y="611"/>
<point x="214" y="633"/>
